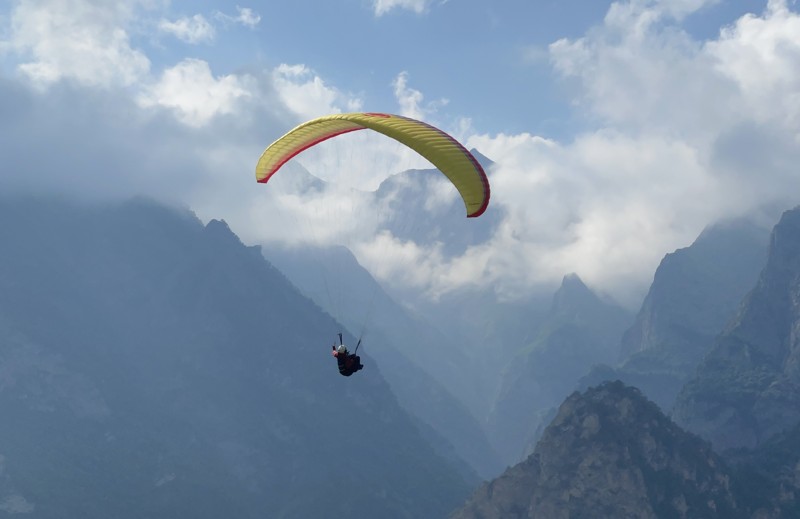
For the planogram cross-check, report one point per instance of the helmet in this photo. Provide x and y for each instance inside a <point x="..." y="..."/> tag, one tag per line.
<point x="341" y="349"/>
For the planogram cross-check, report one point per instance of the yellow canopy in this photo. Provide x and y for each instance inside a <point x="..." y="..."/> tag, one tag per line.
<point x="441" y="150"/>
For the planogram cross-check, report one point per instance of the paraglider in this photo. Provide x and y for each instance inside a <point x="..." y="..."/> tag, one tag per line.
<point x="439" y="148"/>
<point x="348" y="362"/>
<point x="442" y="150"/>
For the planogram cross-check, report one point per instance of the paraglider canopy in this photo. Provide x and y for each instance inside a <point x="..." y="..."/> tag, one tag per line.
<point x="439" y="148"/>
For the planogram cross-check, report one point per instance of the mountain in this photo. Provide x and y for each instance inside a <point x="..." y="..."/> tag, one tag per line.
<point x="420" y="362"/>
<point x="696" y="291"/>
<point x="610" y="452"/>
<point x="580" y="330"/>
<point x="486" y="331"/>
<point x="747" y="388"/>
<point x="151" y="366"/>
<point x="431" y="212"/>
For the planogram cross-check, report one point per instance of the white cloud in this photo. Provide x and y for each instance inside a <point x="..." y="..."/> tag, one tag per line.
<point x="191" y="30"/>
<point x="689" y="132"/>
<point x="657" y="77"/>
<point x="381" y="7"/>
<point x="761" y="55"/>
<point x="411" y="100"/>
<point x="634" y="74"/>
<point x="573" y="208"/>
<point x="194" y="94"/>
<point x="307" y="94"/>
<point x="408" y="98"/>
<point x="427" y="262"/>
<point x="686" y="133"/>
<point x="332" y="215"/>
<point x="244" y="16"/>
<point x="76" y="39"/>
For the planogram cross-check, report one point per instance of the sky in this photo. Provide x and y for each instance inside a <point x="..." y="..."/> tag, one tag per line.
<point x="618" y="130"/>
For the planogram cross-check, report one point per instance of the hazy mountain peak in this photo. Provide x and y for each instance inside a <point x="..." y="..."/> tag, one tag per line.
<point x="581" y="330"/>
<point x="573" y="280"/>
<point x="482" y="159"/>
<point x="573" y="294"/>
<point x="220" y="229"/>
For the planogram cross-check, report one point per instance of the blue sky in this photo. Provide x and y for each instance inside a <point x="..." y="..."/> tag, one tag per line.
<point x="619" y="129"/>
<point x="488" y="60"/>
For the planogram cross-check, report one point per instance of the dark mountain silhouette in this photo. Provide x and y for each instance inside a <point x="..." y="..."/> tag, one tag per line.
<point x="151" y="366"/>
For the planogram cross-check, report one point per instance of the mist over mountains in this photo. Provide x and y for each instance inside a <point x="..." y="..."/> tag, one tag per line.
<point x="547" y="345"/>
<point x="151" y="365"/>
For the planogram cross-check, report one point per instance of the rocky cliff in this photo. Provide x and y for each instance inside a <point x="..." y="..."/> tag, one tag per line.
<point x="610" y="452"/>
<point x="696" y="291"/>
<point x="747" y="388"/>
